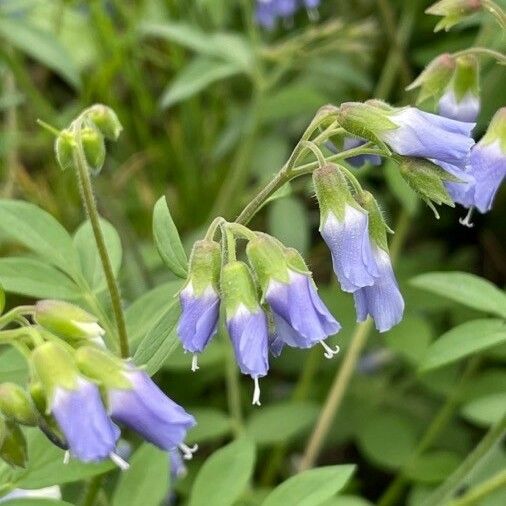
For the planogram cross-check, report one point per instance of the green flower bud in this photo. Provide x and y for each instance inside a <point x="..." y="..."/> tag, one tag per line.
<point x="106" y="121"/>
<point x="67" y="321"/>
<point x="13" y="450"/>
<point x="16" y="405"/>
<point x="466" y="78"/>
<point x="238" y="288"/>
<point x="496" y="130"/>
<point x="453" y="11"/>
<point x="204" y="266"/>
<point x="296" y="262"/>
<point x="102" y="366"/>
<point x="93" y="147"/>
<point x="64" y="148"/>
<point x="434" y="78"/>
<point x="378" y="227"/>
<point x="267" y="257"/>
<point x="427" y="179"/>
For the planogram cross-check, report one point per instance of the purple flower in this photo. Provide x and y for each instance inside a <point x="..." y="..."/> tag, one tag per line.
<point x="266" y="13"/>
<point x="177" y="465"/>
<point x="425" y="135"/>
<point x="285" y="8"/>
<point x="143" y="407"/>
<point x="301" y="318"/>
<point x="311" y="4"/>
<point x="383" y="300"/>
<point x="466" y="109"/>
<point x="81" y="416"/>
<point x="350" y="246"/>
<point x="199" y="318"/>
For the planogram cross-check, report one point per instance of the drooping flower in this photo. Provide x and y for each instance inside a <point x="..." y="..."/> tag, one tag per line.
<point x="382" y="300"/>
<point x="266" y="14"/>
<point x="246" y="322"/>
<point x="200" y="303"/>
<point x="301" y="318"/>
<point x="453" y="11"/>
<point x="344" y="226"/>
<point x="75" y="404"/>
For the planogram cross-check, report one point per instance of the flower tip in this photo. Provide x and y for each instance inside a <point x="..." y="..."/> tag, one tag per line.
<point x="188" y="451"/>
<point x="466" y="221"/>
<point x="256" y="393"/>
<point x="195" y="362"/>
<point x="122" y="464"/>
<point x="329" y="352"/>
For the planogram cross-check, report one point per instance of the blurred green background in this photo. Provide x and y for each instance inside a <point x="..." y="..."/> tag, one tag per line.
<point x="211" y="107"/>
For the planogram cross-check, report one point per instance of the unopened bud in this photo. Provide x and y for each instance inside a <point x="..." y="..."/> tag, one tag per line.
<point x="453" y="11"/>
<point x="106" y="120"/>
<point x="204" y="266"/>
<point x="64" y="148"/>
<point x="93" y="147"/>
<point x="378" y="227"/>
<point x="16" y="405"/>
<point x="13" y="450"/>
<point x="496" y="131"/>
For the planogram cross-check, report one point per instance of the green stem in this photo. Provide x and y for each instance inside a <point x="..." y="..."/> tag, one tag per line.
<point x="88" y="198"/>
<point x="14" y="314"/>
<point x="316" y="151"/>
<point x="234" y="392"/>
<point x="213" y="227"/>
<point x="496" y="11"/>
<point x="443" y="494"/>
<point x="482" y="51"/>
<point x="92" y="491"/>
<point x="345" y="372"/>
<point x="482" y="490"/>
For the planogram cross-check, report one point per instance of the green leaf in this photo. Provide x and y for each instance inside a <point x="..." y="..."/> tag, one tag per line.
<point x="13" y="366"/>
<point x="310" y="488"/>
<point x="35" y="502"/>
<point x="211" y="424"/>
<point x="347" y="500"/>
<point x="467" y="289"/>
<point x="466" y="339"/>
<point x="167" y="239"/>
<point x="33" y="278"/>
<point x="91" y="266"/>
<point x="160" y="340"/>
<point x="375" y="439"/>
<point x="146" y="482"/>
<point x="27" y="224"/>
<point x="41" y="46"/>
<point x="433" y="467"/>
<point x="487" y="410"/>
<point x="149" y="308"/>
<point x="264" y="425"/>
<point x="283" y="214"/>
<point x="2" y="299"/>
<point x="225" y="475"/>
<point x="195" y="77"/>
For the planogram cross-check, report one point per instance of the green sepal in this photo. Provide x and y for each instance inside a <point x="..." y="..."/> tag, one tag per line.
<point x="266" y="256"/>
<point x="94" y="147"/>
<point x="13" y="450"/>
<point x="204" y="266"/>
<point x="238" y="287"/>
<point x="55" y="367"/>
<point x="64" y="146"/>
<point x="434" y="79"/>
<point x="496" y="130"/>
<point x="378" y="227"/>
<point x="427" y="180"/>
<point x="16" y="405"/>
<point x="466" y="78"/>
<point x="103" y="367"/>
<point x="332" y="191"/>
<point x="453" y="12"/>
<point x="106" y="120"/>
<point x="296" y="262"/>
<point x="66" y="320"/>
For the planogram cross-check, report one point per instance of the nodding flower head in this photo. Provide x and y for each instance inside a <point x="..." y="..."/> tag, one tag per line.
<point x="344" y="226"/>
<point x="300" y="316"/>
<point x="75" y="403"/>
<point x="68" y="321"/>
<point x="453" y="11"/>
<point x="134" y="400"/>
<point x="246" y="322"/>
<point x="200" y="303"/>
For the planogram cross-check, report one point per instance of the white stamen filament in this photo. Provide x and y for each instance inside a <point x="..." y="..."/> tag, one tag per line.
<point x="466" y="221"/>
<point x="256" y="393"/>
<point x="122" y="464"/>
<point x="195" y="362"/>
<point x="66" y="457"/>
<point x="329" y="352"/>
<point x="187" y="451"/>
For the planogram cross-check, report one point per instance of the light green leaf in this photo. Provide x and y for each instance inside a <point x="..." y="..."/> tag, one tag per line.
<point x="91" y="266"/>
<point x="195" y="77"/>
<point x="160" y="340"/>
<point x="146" y="482"/>
<point x="466" y="339"/>
<point x="433" y="467"/>
<point x="310" y="488"/>
<point x="35" y="502"/>
<point x="211" y="424"/>
<point x="347" y="500"/>
<point x="487" y="410"/>
<point x="149" y="308"/>
<point x="13" y="366"/>
<point x="27" y="224"/>
<point x="375" y="441"/>
<point x="41" y="46"/>
<point x="467" y="289"/>
<point x="225" y="475"/>
<point x="33" y="278"/>
<point x="264" y="425"/>
<point x="167" y="239"/>
<point x="288" y="221"/>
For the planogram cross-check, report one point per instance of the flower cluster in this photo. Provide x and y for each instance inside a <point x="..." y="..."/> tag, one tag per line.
<point x="79" y="392"/>
<point x="269" y="11"/>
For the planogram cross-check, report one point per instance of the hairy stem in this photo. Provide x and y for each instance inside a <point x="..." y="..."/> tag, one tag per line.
<point x="482" y="51"/>
<point x="497" y="482"/>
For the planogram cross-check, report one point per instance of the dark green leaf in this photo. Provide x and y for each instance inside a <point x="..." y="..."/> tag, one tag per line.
<point x="211" y="424"/>
<point x="35" y="502"/>
<point x="487" y="410"/>
<point x="433" y="467"/>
